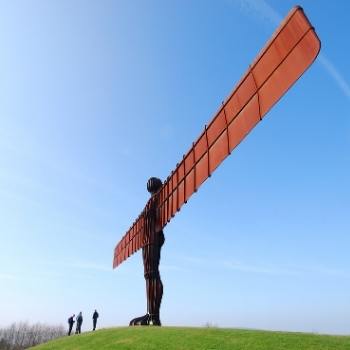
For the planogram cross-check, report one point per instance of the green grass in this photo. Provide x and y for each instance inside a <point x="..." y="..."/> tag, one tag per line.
<point x="171" y="338"/>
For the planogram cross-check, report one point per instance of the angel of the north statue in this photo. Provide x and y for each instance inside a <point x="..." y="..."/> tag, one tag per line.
<point x="291" y="50"/>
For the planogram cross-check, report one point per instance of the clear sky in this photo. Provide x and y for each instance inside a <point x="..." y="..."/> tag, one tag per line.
<point x="97" y="96"/>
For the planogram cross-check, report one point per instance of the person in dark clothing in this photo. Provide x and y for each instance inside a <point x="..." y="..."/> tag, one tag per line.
<point x="70" y="323"/>
<point x="94" y="319"/>
<point x="79" y="323"/>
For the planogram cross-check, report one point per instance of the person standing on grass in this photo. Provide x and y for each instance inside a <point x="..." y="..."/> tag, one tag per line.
<point x="70" y="323"/>
<point x="79" y="323"/>
<point x="94" y="319"/>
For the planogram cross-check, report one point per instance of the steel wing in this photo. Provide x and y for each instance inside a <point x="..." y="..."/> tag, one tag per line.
<point x="286" y="56"/>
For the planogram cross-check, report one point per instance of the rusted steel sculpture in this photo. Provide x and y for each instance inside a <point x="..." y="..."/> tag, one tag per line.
<point x="291" y="50"/>
<point x="153" y="241"/>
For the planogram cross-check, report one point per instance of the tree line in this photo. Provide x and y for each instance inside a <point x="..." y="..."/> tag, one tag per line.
<point x="23" y="335"/>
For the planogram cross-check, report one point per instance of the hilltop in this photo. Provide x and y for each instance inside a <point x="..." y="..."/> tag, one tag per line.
<point x="176" y="338"/>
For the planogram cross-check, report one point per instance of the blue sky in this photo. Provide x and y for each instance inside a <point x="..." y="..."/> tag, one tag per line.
<point x="96" y="97"/>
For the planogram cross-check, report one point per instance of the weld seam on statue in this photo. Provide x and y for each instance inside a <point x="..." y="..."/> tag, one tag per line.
<point x="154" y="238"/>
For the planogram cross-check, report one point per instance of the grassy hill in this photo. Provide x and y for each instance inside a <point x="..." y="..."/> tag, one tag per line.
<point x="171" y="338"/>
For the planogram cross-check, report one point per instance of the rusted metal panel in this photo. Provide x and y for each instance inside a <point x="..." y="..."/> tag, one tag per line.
<point x="170" y="205"/>
<point x="218" y="152"/>
<point x="164" y="206"/>
<point x="202" y="170"/>
<point x="244" y="122"/>
<point x="175" y="194"/>
<point x="181" y="191"/>
<point x="281" y="46"/>
<point x="290" y="51"/>
<point x="200" y="147"/>
<point x="289" y="71"/>
<point x="174" y="203"/>
<point x="189" y="161"/>
<point x="189" y="184"/>
<point x="161" y="206"/>
<point x="166" y="202"/>
<point x="240" y="97"/>
<point x="181" y="171"/>
<point x="216" y="127"/>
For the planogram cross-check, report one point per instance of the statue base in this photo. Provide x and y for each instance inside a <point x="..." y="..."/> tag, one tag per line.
<point x="146" y="320"/>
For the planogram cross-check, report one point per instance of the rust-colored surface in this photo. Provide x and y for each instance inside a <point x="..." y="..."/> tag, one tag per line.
<point x="291" y="50"/>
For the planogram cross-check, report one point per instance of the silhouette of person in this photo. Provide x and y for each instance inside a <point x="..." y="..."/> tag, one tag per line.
<point x="154" y="238"/>
<point x="79" y="323"/>
<point x="70" y="323"/>
<point x="94" y="319"/>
